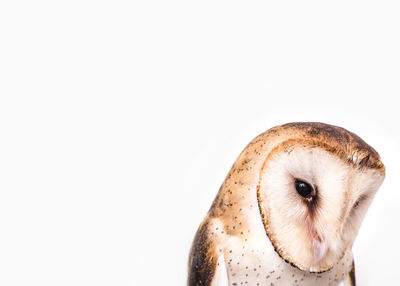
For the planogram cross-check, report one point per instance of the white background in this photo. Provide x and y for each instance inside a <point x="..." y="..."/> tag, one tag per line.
<point x="120" y="119"/>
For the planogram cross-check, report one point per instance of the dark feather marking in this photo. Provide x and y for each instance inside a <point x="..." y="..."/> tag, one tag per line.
<point x="202" y="264"/>
<point x="352" y="275"/>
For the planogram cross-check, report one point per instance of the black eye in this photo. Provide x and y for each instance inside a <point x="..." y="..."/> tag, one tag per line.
<point x="304" y="189"/>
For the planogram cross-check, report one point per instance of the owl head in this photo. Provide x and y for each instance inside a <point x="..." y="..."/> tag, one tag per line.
<point x="314" y="188"/>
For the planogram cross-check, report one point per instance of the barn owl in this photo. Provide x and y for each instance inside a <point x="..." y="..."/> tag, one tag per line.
<point x="289" y="210"/>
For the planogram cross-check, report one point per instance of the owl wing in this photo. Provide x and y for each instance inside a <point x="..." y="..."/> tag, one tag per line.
<point x="351" y="277"/>
<point x="221" y="276"/>
<point x="206" y="267"/>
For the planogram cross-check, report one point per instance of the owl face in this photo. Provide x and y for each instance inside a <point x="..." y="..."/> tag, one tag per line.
<point x="312" y="203"/>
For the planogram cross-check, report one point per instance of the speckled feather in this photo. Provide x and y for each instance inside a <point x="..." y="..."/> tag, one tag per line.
<point x="236" y="229"/>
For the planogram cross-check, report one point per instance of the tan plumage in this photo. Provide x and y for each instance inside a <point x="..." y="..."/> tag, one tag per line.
<point x="260" y="231"/>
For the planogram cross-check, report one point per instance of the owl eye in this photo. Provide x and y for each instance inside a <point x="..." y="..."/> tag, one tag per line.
<point x="303" y="189"/>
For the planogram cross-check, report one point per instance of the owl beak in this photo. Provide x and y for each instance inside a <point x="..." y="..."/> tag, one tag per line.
<point x="319" y="249"/>
<point x="318" y="244"/>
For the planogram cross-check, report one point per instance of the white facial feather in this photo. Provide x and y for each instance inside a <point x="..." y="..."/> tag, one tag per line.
<point x="335" y="219"/>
